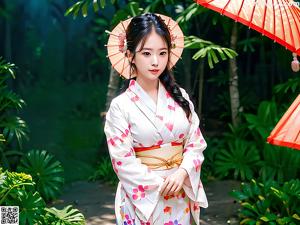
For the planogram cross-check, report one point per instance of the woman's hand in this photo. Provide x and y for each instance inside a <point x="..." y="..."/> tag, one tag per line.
<point x="174" y="182"/>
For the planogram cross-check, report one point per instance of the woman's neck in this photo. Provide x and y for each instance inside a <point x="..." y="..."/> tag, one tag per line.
<point x="148" y="86"/>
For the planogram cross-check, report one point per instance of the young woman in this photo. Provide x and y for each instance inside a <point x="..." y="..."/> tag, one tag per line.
<point x="153" y="135"/>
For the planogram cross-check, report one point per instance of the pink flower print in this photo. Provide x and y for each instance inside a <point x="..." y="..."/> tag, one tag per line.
<point x="128" y="220"/>
<point x="169" y="126"/>
<point x="190" y="145"/>
<point x="197" y="164"/>
<point x="159" y="142"/>
<point x="168" y="95"/>
<point x="111" y="141"/>
<point x="181" y="135"/>
<point x="125" y="134"/>
<point x="167" y="197"/>
<point x="160" y="117"/>
<point x="198" y="132"/>
<point x="130" y="153"/>
<point x="196" y="206"/>
<point x="145" y="223"/>
<point x="132" y="82"/>
<point x="180" y="195"/>
<point x="115" y="164"/>
<point x="135" y="98"/>
<point x="171" y="107"/>
<point x="173" y="223"/>
<point x="202" y="141"/>
<point x="167" y="210"/>
<point x="187" y="148"/>
<point x="139" y="192"/>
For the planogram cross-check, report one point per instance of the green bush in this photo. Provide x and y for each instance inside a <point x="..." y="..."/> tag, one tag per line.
<point x="46" y="172"/>
<point x="241" y="159"/>
<point x="269" y="203"/>
<point x="13" y="130"/>
<point x="18" y="189"/>
<point x="104" y="171"/>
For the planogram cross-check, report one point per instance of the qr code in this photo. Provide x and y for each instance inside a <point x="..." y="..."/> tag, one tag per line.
<point x="9" y="215"/>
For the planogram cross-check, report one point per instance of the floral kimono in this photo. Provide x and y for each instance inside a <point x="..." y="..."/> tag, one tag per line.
<point x="134" y="120"/>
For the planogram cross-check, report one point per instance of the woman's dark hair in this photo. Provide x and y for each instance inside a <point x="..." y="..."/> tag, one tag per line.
<point x="137" y="31"/>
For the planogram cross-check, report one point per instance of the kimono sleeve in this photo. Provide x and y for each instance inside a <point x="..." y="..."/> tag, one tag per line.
<point x="193" y="158"/>
<point x="140" y="184"/>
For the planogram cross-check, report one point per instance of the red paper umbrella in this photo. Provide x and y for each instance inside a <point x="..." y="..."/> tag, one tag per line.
<point x="276" y="19"/>
<point x="287" y="131"/>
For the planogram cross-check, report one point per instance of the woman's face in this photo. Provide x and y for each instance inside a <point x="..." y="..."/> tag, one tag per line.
<point x="152" y="59"/>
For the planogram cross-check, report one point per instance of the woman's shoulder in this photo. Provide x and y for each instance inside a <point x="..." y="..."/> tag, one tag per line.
<point x="120" y="101"/>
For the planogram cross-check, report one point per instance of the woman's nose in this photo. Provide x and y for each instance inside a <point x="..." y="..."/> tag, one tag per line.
<point x="154" y="60"/>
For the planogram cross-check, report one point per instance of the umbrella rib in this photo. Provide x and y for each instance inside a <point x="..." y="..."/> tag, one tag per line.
<point x="118" y="62"/>
<point x="274" y="20"/>
<point x="240" y="10"/>
<point x="292" y="36"/>
<point x="222" y="11"/>
<point x="292" y="9"/>
<point x="252" y="14"/>
<point x="264" y="18"/>
<point x="176" y="55"/>
<point x="123" y="26"/>
<point x="281" y="20"/>
<point x="113" y="54"/>
<point x="123" y="66"/>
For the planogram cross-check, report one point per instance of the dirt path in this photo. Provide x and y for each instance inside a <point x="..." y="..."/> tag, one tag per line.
<point x="95" y="200"/>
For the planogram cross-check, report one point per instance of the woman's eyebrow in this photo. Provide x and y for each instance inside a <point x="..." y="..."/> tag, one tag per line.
<point x="152" y="49"/>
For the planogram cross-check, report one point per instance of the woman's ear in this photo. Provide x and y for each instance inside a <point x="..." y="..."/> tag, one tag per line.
<point x="129" y="55"/>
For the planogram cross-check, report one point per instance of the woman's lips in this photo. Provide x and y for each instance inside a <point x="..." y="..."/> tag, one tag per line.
<point x="154" y="71"/>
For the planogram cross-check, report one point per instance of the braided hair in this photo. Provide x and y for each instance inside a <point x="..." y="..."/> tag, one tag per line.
<point x="137" y="31"/>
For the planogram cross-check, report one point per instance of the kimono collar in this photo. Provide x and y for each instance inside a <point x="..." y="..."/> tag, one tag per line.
<point x="136" y="88"/>
<point x="160" y="114"/>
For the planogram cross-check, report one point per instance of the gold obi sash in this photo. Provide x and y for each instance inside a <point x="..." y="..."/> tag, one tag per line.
<point x="164" y="156"/>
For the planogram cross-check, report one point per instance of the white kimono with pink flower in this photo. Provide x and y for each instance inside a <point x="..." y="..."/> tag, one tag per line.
<point x="134" y="120"/>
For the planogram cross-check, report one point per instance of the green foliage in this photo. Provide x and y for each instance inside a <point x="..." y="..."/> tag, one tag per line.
<point x="190" y="12"/>
<point x="247" y="159"/>
<point x="291" y="86"/>
<point x="104" y="171"/>
<point x="265" y="119"/>
<point x="45" y="171"/>
<point x="208" y="50"/>
<point x="83" y="6"/>
<point x="269" y="202"/>
<point x="65" y="216"/>
<point x="240" y="158"/>
<point x="18" y="189"/>
<point x="13" y="128"/>
<point x="277" y="162"/>
<point x="6" y="68"/>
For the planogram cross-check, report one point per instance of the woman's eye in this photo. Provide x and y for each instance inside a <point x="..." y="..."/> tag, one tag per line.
<point x="146" y="53"/>
<point x="163" y="53"/>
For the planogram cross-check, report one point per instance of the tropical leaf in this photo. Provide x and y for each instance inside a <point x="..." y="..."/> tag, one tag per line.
<point x="45" y="171"/>
<point x="65" y="216"/>
<point x="14" y="126"/>
<point x="240" y="158"/>
<point x="10" y="100"/>
<point x="208" y="50"/>
<point x="31" y="206"/>
<point x="6" y="68"/>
